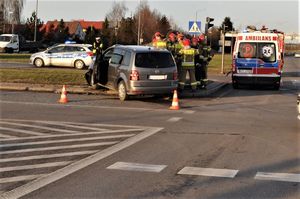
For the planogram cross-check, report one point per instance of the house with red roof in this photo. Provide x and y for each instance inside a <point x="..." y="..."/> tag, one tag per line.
<point x="76" y="27"/>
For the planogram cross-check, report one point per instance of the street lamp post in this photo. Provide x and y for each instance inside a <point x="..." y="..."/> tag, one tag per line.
<point x="12" y="21"/>
<point x="35" y="20"/>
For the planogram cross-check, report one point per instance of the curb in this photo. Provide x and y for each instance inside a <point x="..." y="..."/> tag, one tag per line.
<point x="211" y="88"/>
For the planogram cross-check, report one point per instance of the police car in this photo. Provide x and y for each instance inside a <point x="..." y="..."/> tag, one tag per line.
<point x="78" y="56"/>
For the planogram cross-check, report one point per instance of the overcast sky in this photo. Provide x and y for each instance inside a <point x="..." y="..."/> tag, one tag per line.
<point x="282" y="15"/>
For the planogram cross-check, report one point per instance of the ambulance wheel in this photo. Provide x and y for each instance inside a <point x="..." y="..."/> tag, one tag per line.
<point x="276" y="87"/>
<point x="235" y="85"/>
<point x="122" y="91"/>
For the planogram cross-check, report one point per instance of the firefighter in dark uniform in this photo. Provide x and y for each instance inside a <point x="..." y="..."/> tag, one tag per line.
<point x="195" y="45"/>
<point x="205" y="57"/>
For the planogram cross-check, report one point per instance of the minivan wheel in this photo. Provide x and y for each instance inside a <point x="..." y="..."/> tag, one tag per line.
<point x="79" y="64"/>
<point x="122" y="91"/>
<point x="38" y="62"/>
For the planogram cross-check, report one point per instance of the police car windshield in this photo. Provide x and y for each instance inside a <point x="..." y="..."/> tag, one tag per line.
<point x="263" y="51"/>
<point x="154" y="60"/>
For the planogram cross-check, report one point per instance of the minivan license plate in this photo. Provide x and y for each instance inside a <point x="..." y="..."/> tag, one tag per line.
<point x="157" y="77"/>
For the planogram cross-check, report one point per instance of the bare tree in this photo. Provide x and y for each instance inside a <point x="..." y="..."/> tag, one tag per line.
<point x="149" y="21"/>
<point x="12" y="10"/>
<point x="116" y="14"/>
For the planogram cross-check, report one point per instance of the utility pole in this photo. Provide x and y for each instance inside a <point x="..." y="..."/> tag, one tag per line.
<point x="223" y="48"/>
<point x="139" y="24"/>
<point x="35" y="20"/>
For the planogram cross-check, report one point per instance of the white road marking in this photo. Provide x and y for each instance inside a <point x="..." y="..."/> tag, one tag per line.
<point x="99" y="107"/>
<point x="174" y="119"/>
<point x="57" y="148"/>
<point x="189" y="112"/>
<point x="226" y="173"/>
<point x="76" y="134"/>
<point x="6" y="136"/>
<point x="35" y="166"/>
<point x="137" y="167"/>
<point x="58" y="174"/>
<point x="66" y="140"/>
<point x="21" y="131"/>
<point x="73" y="126"/>
<point x="18" y="179"/>
<point x="287" y="177"/>
<point x="39" y="127"/>
<point x="36" y="157"/>
<point x="77" y="123"/>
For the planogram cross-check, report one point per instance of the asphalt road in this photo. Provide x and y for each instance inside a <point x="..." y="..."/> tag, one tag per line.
<point x="238" y="144"/>
<point x="15" y="65"/>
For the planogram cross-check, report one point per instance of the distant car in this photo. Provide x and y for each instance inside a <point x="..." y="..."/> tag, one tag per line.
<point x="297" y="55"/>
<point x="137" y="70"/>
<point x="78" y="56"/>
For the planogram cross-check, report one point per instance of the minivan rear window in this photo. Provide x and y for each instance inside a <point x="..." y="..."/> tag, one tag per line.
<point x="263" y="51"/>
<point x="154" y="60"/>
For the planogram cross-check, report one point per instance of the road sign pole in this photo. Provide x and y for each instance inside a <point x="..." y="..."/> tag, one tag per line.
<point x="223" y="49"/>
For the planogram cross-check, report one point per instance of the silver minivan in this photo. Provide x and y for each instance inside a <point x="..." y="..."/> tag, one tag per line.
<point x="136" y="70"/>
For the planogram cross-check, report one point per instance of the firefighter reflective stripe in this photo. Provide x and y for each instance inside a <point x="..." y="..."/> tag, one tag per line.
<point x="160" y="44"/>
<point x="181" y="85"/>
<point x="188" y="60"/>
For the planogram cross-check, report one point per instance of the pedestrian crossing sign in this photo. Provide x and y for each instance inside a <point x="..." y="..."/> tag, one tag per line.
<point x="194" y="27"/>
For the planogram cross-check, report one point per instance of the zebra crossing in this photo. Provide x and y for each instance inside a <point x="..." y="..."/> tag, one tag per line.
<point x="31" y="150"/>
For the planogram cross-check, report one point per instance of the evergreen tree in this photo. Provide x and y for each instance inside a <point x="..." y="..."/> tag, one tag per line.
<point x="228" y="25"/>
<point x="28" y="32"/>
<point x="164" y="25"/>
<point x="62" y="32"/>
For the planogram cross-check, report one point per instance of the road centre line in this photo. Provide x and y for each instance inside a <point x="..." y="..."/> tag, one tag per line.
<point x="39" y="127"/>
<point x="65" y="171"/>
<point x="66" y="140"/>
<point x="19" y="178"/>
<point x="137" y="167"/>
<point x="174" y="119"/>
<point x="35" y="166"/>
<point x="100" y="107"/>
<point x="74" y="134"/>
<point x="57" y="147"/>
<point x="226" y="173"/>
<point x="288" y="177"/>
<point x="37" y="157"/>
<point x="21" y="131"/>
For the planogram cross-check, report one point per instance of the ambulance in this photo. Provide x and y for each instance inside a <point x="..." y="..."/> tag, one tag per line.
<point x="258" y="58"/>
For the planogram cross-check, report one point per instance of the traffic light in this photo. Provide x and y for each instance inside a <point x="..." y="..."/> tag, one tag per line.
<point x="208" y="24"/>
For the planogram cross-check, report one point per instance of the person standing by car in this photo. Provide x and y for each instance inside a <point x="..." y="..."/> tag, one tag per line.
<point x="188" y="65"/>
<point x="92" y="74"/>
<point x="158" y="42"/>
<point x="205" y="57"/>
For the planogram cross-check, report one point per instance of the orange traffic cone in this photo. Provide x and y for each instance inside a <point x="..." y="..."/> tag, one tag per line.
<point x="175" y="102"/>
<point x="63" y="97"/>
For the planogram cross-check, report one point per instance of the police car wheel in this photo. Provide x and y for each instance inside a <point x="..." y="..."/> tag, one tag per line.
<point x="122" y="91"/>
<point x="79" y="64"/>
<point x="38" y="62"/>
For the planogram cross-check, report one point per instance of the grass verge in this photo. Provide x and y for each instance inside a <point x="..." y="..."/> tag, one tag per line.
<point x="43" y="76"/>
<point x="214" y="66"/>
<point x="71" y="76"/>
